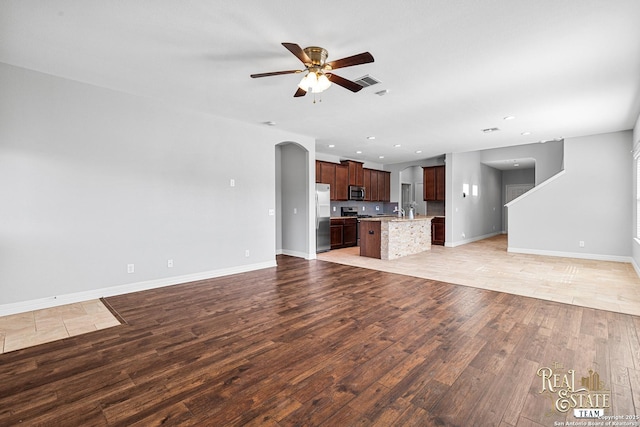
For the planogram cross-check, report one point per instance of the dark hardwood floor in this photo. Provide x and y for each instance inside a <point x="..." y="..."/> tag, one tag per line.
<point x="317" y="343"/>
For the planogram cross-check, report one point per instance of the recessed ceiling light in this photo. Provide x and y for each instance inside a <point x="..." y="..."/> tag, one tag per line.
<point x="270" y="123"/>
<point x="331" y="146"/>
<point x="381" y="157"/>
<point x="358" y="152"/>
<point x="397" y="145"/>
<point x="509" y="117"/>
<point x="370" y="138"/>
<point x="418" y="151"/>
<point x="489" y="130"/>
<point x="382" y="92"/>
<point x="525" y="133"/>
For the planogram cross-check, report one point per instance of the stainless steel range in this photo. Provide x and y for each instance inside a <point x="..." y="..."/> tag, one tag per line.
<point x="353" y="211"/>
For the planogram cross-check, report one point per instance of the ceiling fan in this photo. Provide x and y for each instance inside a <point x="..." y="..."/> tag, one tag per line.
<point x="318" y="75"/>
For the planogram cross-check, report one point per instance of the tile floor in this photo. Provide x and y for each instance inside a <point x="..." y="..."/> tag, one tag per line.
<point x="605" y="285"/>
<point x="36" y="327"/>
<point x="612" y="286"/>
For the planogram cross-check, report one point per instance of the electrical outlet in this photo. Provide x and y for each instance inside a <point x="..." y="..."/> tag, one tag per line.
<point x="246" y="253"/>
<point x="295" y="211"/>
<point x="363" y="209"/>
<point x="232" y="182"/>
<point x="170" y="263"/>
<point x="272" y="212"/>
<point x="131" y="268"/>
<point x="377" y="208"/>
<point x="334" y="208"/>
<point x="581" y="243"/>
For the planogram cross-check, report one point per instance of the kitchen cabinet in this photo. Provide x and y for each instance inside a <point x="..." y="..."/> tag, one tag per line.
<point x="387" y="187"/>
<point x="381" y="186"/>
<point x="336" y="234"/>
<point x="340" y="176"/>
<point x="326" y="174"/>
<point x="337" y="176"/>
<point x="370" y="239"/>
<point x="437" y="231"/>
<point x="377" y="185"/>
<point x="366" y="174"/>
<point x="356" y="172"/>
<point x="384" y="186"/>
<point x="434" y="183"/>
<point x="342" y="182"/>
<point x="350" y="232"/>
<point x="343" y="232"/>
<point x="373" y="188"/>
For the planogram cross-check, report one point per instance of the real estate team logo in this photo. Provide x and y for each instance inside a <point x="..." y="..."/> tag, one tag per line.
<point x="587" y="397"/>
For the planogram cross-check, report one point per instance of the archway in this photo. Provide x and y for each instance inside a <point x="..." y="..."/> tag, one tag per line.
<point x="292" y="199"/>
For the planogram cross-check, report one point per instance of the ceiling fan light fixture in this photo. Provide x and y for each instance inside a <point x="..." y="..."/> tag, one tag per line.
<point x="308" y="81"/>
<point x="315" y="63"/>
<point x="315" y="82"/>
<point x="323" y="83"/>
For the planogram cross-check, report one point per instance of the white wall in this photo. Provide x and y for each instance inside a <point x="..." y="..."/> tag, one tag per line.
<point x="514" y="177"/>
<point x="472" y="217"/>
<point x="549" y="157"/>
<point x="92" y="180"/>
<point x="635" y="243"/>
<point x="590" y="202"/>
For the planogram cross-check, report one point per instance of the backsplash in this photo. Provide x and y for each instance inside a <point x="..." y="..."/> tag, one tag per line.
<point x="365" y="208"/>
<point x="435" y="208"/>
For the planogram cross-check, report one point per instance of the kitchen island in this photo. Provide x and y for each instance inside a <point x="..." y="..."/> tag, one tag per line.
<point x="394" y="237"/>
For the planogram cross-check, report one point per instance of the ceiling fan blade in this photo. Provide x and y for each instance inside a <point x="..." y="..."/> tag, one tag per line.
<point x="361" y="58"/>
<point x="341" y="81"/>
<point x="298" y="52"/>
<point x="300" y="92"/>
<point x="275" y="73"/>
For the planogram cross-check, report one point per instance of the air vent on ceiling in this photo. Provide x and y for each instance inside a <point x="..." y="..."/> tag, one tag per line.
<point x="490" y="130"/>
<point x="366" y="81"/>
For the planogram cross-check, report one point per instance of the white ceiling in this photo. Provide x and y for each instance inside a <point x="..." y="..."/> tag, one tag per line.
<point x="563" y="68"/>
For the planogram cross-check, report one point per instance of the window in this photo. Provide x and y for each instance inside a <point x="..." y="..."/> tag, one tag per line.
<point x="636" y="157"/>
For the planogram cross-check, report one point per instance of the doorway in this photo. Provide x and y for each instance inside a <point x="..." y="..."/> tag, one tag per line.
<point x="407" y="198"/>
<point x="292" y="200"/>
<point x="512" y="192"/>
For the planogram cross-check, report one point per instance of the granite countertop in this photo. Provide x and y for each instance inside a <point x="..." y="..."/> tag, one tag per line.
<point x="397" y="219"/>
<point x="365" y="217"/>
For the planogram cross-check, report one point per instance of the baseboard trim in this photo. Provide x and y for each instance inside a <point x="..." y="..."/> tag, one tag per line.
<point x="298" y="254"/>
<point x="635" y="266"/>
<point x="54" y="301"/>
<point x="471" y="240"/>
<point x="597" y="257"/>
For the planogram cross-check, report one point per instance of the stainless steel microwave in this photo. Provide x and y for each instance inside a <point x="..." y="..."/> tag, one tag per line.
<point x="356" y="193"/>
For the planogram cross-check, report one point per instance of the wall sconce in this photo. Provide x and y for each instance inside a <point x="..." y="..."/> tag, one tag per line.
<point x="465" y="190"/>
<point x="474" y="190"/>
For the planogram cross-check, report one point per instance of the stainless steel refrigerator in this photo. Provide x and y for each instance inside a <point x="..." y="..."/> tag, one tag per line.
<point x="323" y="217"/>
